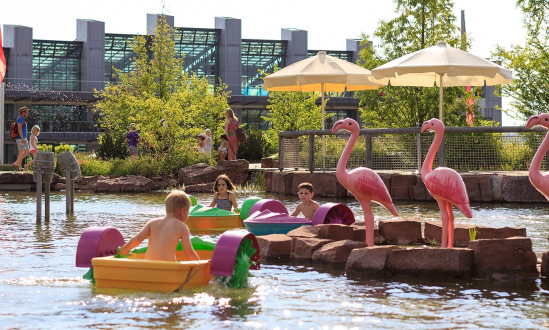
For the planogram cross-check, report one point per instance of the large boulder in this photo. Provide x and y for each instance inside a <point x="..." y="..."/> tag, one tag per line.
<point x="479" y="187"/>
<point x="304" y="231"/>
<point x="369" y="260"/>
<point x="336" y="252"/>
<point x="330" y="186"/>
<point x="433" y="230"/>
<point x="303" y="248"/>
<point x="236" y="170"/>
<point x="402" y="186"/>
<point x="268" y="181"/>
<point x="199" y="188"/>
<point x="456" y="262"/>
<point x="282" y="182"/>
<point x="335" y="232"/>
<point x="519" y="189"/>
<point x="198" y="174"/>
<point x="401" y="231"/>
<point x="275" y="247"/>
<point x="505" y="232"/>
<point x="504" y="256"/>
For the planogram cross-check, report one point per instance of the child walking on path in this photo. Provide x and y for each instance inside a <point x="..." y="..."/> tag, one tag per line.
<point x="307" y="206"/>
<point x="231" y="124"/>
<point x="164" y="233"/>
<point x="224" y="198"/>
<point x="33" y="141"/>
<point x="132" y="138"/>
<point x="208" y="146"/>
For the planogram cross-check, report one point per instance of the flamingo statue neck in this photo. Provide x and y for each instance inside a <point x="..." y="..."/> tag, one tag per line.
<point x="535" y="167"/>
<point x="427" y="166"/>
<point x="341" y="169"/>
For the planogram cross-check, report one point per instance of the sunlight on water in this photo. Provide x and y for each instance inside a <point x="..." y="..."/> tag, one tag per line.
<point x="37" y="263"/>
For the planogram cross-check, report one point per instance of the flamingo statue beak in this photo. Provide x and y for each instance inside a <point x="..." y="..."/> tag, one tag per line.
<point x="337" y="125"/>
<point x="532" y="121"/>
<point x="425" y="126"/>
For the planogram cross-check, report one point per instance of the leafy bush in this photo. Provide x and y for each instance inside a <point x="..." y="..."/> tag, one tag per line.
<point x="256" y="147"/>
<point x="112" y="145"/>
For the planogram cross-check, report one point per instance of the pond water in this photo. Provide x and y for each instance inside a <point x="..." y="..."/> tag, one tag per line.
<point x="41" y="288"/>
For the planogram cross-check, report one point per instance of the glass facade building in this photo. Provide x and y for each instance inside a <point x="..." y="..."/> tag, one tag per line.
<point x="260" y="55"/>
<point x="118" y="55"/>
<point x="341" y="54"/>
<point x="253" y="117"/>
<point x="56" y="65"/>
<point x="200" y="48"/>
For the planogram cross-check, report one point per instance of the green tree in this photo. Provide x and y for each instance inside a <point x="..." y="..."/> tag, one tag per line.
<point x="292" y="111"/>
<point x="420" y="24"/>
<point x="169" y="106"/>
<point x="530" y="90"/>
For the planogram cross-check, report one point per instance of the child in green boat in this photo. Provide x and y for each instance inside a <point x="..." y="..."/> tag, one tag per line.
<point x="164" y="233"/>
<point x="224" y="197"/>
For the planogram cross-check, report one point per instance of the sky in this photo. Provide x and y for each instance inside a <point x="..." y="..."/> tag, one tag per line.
<point x="329" y="23"/>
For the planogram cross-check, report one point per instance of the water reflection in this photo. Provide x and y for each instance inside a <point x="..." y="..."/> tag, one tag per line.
<point x="37" y="263"/>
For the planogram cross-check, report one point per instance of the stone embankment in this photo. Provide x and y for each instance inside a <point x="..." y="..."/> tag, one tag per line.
<point x="481" y="186"/>
<point x="499" y="254"/>
<point x="195" y="178"/>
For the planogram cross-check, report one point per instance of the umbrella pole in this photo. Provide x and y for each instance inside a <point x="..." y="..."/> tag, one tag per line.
<point x="441" y="117"/>
<point x="323" y="127"/>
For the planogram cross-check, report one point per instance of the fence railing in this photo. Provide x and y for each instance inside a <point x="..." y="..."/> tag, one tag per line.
<point x="463" y="148"/>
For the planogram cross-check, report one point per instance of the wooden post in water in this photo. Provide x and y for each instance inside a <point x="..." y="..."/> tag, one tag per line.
<point x="38" y="196"/>
<point x="47" y="202"/>
<point x="68" y="191"/>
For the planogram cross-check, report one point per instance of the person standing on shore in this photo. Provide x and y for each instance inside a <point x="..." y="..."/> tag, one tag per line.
<point x="231" y="124"/>
<point x="21" y="140"/>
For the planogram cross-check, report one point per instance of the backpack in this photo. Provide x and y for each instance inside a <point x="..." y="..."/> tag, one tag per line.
<point x="13" y="129"/>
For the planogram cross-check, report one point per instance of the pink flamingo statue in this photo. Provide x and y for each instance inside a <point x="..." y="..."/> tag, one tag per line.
<point x="444" y="184"/>
<point x="363" y="183"/>
<point x="539" y="180"/>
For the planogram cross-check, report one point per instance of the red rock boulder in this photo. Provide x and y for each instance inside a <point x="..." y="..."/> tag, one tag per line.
<point x="236" y="170"/>
<point x="456" y="262"/>
<point x="336" y="252"/>
<point x="335" y="232"/>
<point x="198" y="174"/>
<point x="275" y="247"/>
<point x="504" y="256"/>
<point x="369" y="260"/>
<point x="401" y="231"/>
<point x="303" y="248"/>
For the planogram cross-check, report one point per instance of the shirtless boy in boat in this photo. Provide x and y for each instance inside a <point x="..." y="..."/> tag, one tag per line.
<point x="164" y="233"/>
<point x="307" y="206"/>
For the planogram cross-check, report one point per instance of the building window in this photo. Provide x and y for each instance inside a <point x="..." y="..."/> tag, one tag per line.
<point x="56" y="65"/>
<point x="260" y="55"/>
<point x="60" y="118"/>
<point x="339" y="115"/>
<point x="200" y="48"/>
<point x="252" y="117"/>
<point x="118" y="55"/>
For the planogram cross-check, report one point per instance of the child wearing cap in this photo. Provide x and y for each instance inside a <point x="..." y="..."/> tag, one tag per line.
<point x="132" y="138"/>
<point x="201" y="143"/>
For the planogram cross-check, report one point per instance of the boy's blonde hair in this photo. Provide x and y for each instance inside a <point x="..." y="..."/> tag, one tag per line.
<point x="177" y="199"/>
<point x="35" y="128"/>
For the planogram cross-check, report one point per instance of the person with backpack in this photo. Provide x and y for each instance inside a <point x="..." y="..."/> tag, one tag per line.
<point x="21" y="139"/>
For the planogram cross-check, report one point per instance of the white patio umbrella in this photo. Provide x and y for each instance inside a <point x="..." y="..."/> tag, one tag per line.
<point x="443" y="65"/>
<point x="320" y="73"/>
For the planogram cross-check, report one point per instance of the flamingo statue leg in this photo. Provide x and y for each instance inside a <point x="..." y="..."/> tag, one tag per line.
<point x="444" y="219"/>
<point x="450" y="225"/>
<point x="369" y="222"/>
